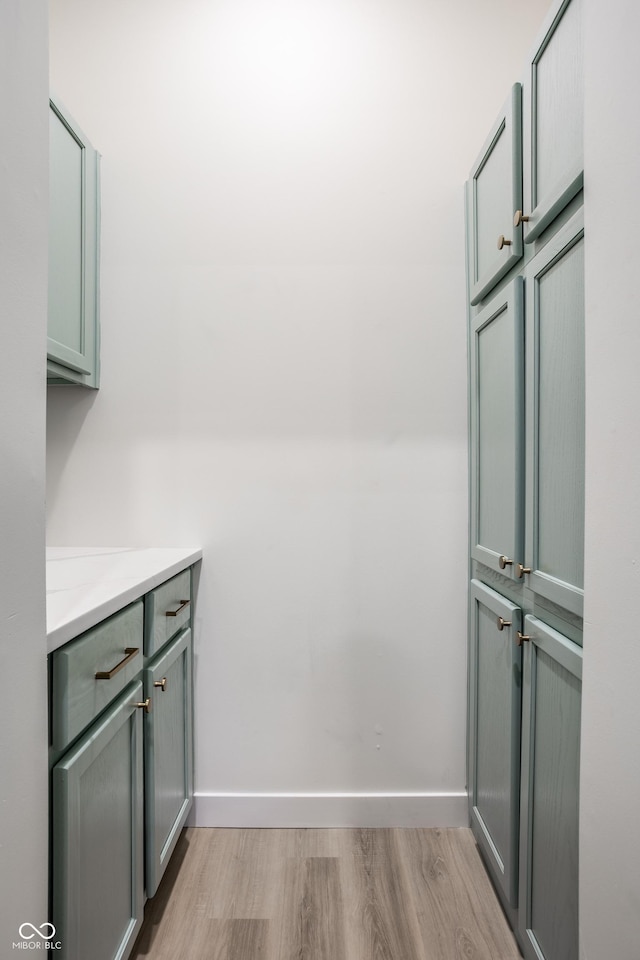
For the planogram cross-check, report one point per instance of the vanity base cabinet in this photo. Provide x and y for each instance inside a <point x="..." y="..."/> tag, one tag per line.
<point x="98" y="881"/>
<point x="121" y="771"/>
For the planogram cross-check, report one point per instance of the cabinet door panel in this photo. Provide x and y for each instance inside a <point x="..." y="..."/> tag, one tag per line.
<point x="497" y="430"/>
<point x="168" y="755"/>
<point x="550" y="781"/>
<point x="554" y="544"/>
<point x="553" y="120"/>
<point x="495" y="733"/>
<point x="67" y="171"/>
<point x="73" y="252"/>
<point x="495" y="193"/>
<point x="98" y="893"/>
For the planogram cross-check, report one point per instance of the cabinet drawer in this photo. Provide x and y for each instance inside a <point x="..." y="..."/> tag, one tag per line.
<point x="167" y="611"/>
<point x="90" y="672"/>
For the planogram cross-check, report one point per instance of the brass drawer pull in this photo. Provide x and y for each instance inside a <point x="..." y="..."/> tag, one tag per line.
<point x="502" y="242"/>
<point x="145" y="705"/>
<point x="161" y="683"/>
<point x="174" y="613"/>
<point x="504" y="562"/>
<point x="521" y="570"/>
<point x="519" y="218"/>
<point x="521" y="637"/>
<point x="502" y="623"/>
<point x="107" y="674"/>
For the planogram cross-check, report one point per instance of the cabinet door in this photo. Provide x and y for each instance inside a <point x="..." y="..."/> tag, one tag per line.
<point x="98" y="883"/>
<point x="553" y="119"/>
<point x="73" y="252"/>
<point x="168" y="755"/>
<point x="497" y="431"/>
<point x="495" y="193"/>
<point x="554" y="538"/>
<point x="494" y="735"/>
<point x="552" y="673"/>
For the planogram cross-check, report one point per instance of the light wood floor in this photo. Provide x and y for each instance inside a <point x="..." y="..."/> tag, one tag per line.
<point x="325" y="895"/>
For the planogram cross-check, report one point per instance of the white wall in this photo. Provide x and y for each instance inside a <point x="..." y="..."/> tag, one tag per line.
<point x="284" y="364"/>
<point x="23" y="305"/>
<point x="610" y="760"/>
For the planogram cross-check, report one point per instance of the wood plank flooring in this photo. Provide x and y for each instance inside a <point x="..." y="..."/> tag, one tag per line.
<point x="351" y="894"/>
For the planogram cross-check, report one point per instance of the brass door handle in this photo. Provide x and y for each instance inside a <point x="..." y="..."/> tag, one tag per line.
<point x="179" y="609"/>
<point x="502" y="623"/>
<point x="161" y="683"/>
<point x="521" y="570"/>
<point x="107" y="674"/>
<point x="502" y="242"/>
<point x="504" y="562"/>
<point x="519" y="218"/>
<point x="145" y="705"/>
<point x="520" y="637"/>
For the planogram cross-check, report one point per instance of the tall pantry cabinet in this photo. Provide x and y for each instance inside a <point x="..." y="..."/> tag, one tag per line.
<point x="525" y="280"/>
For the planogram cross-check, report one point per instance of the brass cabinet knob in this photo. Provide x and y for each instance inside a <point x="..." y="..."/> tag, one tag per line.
<point x="503" y="242"/>
<point x="519" y="218"/>
<point x="145" y="705"/>
<point x="521" y="570"/>
<point x="520" y="637"/>
<point x="161" y="683"/>
<point x="502" y="623"/>
<point x="504" y="562"/>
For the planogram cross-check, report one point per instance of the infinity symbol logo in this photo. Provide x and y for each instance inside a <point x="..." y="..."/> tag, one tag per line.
<point x="39" y="931"/>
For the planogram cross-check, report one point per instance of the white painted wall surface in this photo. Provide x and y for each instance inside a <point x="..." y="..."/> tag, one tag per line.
<point x="283" y="364"/>
<point x="610" y="759"/>
<point x="24" y="150"/>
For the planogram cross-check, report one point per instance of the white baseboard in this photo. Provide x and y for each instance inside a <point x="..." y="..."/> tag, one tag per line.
<point x="330" y="810"/>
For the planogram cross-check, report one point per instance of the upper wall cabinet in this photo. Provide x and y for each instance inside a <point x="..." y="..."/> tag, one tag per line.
<point x="495" y="193"/>
<point x="553" y="96"/>
<point x="74" y="221"/>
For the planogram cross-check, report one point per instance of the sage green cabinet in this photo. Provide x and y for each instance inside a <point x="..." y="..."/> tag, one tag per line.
<point x="552" y="681"/>
<point x="524" y="723"/>
<point x="121" y="769"/>
<point x="495" y="686"/>
<point x="97" y="850"/>
<point x="168" y="749"/>
<point x="554" y="539"/>
<point x="531" y="165"/>
<point x="553" y="107"/>
<point x="89" y="672"/>
<point x="495" y="192"/>
<point x="527" y="459"/>
<point x="73" y="339"/>
<point x="497" y="431"/>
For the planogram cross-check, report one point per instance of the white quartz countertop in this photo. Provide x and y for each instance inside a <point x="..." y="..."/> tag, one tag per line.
<point x="87" y="584"/>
